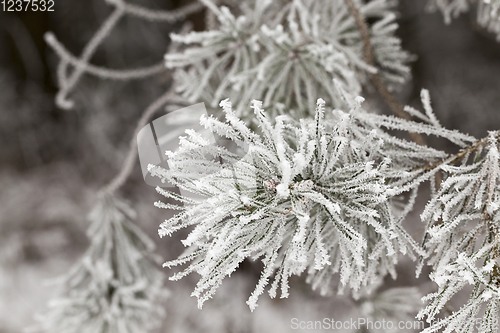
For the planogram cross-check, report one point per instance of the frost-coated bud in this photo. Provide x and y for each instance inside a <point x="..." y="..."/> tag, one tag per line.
<point x="305" y="185"/>
<point x="282" y="190"/>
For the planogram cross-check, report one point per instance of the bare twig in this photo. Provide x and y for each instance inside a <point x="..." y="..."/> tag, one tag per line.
<point x="379" y="84"/>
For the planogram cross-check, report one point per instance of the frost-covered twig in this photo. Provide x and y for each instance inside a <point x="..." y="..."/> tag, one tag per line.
<point x="101" y="72"/>
<point x="170" y="16"/>
<point x="462" y="238"/>
<point x="116" y="287"/>
<point x="80" y="65"/>
<point x="463" y="153"/>
<point x="68" y="81"/>
<point x="131" y="157"/>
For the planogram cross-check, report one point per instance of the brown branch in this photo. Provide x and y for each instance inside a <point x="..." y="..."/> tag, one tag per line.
<point x="379" y="84"/>
<point x="461" y="154"/>
<point x="458" y="157"/>
<point x="377" y="81"/>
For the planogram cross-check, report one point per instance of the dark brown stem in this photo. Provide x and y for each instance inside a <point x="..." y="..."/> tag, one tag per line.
<point x="379" y="84"/>
<point x="377" y="81"/>
<point x="458" y="157"/>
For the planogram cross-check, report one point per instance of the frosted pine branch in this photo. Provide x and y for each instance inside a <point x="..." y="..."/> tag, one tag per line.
<point x="115" y="287"/>
<point x="488" y="12"/>
<point x="450" y="8"/>
<point x="286" y="52"/>
<point x="323" y="185"/>
<point x="462" y="238"/>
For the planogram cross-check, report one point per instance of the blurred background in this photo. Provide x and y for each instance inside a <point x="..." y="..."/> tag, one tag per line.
<point x="53" y="161"/>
